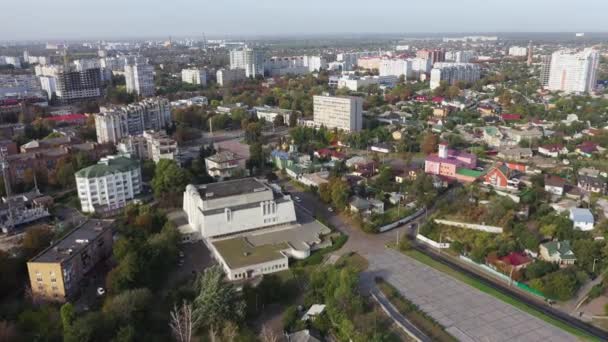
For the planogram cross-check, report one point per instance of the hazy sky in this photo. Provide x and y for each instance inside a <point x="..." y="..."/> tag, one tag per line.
<point x="65" y="19"/>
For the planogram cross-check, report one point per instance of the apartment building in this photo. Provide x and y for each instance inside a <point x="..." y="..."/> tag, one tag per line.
<point x="227" y="76"/>
<point x="545" y="70"/>
<point x="151" y="145"/>
<point x="114" y="123"/>
<point x="249" y="59"/>
<point x="574" y="72"/>
<point x="195" y="76"/>
<point x="109" y="185"/>
<point x="435" y="55"/>
<point x="345" y="113"/>
<point x="518" y="51"/>
<point x="69" y="84"/>
<point x="454" y="72"/>
<point x="139" y="79"/>
<point x="56" y="274"/>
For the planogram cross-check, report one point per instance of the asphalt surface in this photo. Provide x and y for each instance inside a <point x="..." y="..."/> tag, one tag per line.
<point x="397" y="316"/>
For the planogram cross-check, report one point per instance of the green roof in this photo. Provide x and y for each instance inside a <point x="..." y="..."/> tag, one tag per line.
<point x="491" y="130"/>
<point x="239" y="252"/>
<point x="114" y="165"/>
<point x="563" y="248"/>
<point x="469" y="172"/>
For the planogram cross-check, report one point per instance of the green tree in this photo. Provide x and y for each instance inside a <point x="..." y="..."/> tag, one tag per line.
<point x="65" y="175"/>
<point x="340" y="193"/>
<point x="217" y="301"/>
<point x="169" y="182"/>
<point x="429" y="143"/>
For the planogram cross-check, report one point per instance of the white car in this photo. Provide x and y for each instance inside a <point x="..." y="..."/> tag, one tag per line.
<point x="330" y="209"/>
<point x="297" y="198"/>
<point x="101" y="291"/>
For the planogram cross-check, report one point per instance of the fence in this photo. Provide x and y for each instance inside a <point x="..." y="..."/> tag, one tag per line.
<point x="432" y="243"/>
<point x="401" y="221"/>
<point x="481" y="227"/>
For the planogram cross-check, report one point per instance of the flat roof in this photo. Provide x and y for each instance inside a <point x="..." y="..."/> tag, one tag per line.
<point x="73" y="242"/>
<point x="231" y="188"/>
<point x="239" y="252"/>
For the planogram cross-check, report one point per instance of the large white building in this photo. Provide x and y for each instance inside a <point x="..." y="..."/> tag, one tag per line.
<point x="396" y="67"/>
<point x="109" y="185"/>
<point x="574" y="71"/>
<point x="227" y="76"/>
<point x="139" y="79"/>
<point x="345" y="113"/>
<point x="454" y="72"/>
<point x="115" y="123"/>
<point x="518" y="51"/>
<point x="195" y="76"/>
<point x="355" y="83"/>
<point x="249" y="59"/>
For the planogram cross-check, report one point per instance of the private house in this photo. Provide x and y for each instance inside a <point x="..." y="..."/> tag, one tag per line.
<point x="553" y="150"/>
<point x="381" y="148"/>
<point x="452" y="164"/>
<point x="555" y="185"/>
<point x="582" y="219"/>
<point x="559" y="252"/>
<point x="225" y="164"/>
<point x="501" y="176"/>
<point x="591" y="181"/>
<point x="587" y="149"/>
<point x="365" y="207"/>
<point x="515" y="153"/>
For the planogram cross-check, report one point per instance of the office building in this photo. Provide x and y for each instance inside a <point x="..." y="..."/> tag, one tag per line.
<point x="518" y="51"/>
<point x="436" y="55"/>
<point x="345" y="113"/>
<point x="114" y="123"/>
<point x="249" y="59"/>
<point x="152" y="145"/>
<point x="109" y="185"/>
<point x="454" y="72"/>
<point x="57" y="273"/>
<point x="68" y="84"/>
<point x="227" y="76"/>
<point x="140" y="79"/>
<point x="574" y="71"/>
<point x="545" y="70"/>
<point x="195" y="76"/>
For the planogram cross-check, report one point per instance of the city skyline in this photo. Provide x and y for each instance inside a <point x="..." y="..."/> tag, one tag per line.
<point x="71" y="19"/>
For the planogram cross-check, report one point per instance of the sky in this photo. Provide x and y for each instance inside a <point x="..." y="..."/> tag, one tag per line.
<point x="82" y="19"/>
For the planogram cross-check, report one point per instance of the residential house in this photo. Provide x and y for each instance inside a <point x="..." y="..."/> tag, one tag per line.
<point x="591" y="180"/>
<point x="515" y="153"/>
<point x="225" y="164"/>
<point x="587" y="149"/>
<point x="555" y="185"/>
<point x="452" y="164"/>
<point x="306" y="335"/>
<point x="582" y="218"/>
<point x="381" y="148"/>
<point x="502" y="177"/>
<point x="559" y="252"/>
<point x="553" y="150"/>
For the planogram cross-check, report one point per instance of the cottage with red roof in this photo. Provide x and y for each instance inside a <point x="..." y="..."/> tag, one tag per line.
<point x="553" y="150"/>
<point x="501" y="176"/>
<point x="555" y="185"/>
<point x="516" y="260"/>
<point x="510" y="117"/>
<point x="587" y="149"/>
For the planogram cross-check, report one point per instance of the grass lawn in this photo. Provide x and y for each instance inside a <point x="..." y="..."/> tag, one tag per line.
<point x="408" y="309"/>
<point x="353" y="260"/>
<point x="495" y="293"/>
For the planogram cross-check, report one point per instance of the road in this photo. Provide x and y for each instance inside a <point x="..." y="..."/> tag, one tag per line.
<point x="373" y="248"/>
<point x="397" y="316"/>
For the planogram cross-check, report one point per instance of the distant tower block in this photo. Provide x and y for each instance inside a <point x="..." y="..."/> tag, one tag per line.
<point x="530" y="53"/>
<point x="443" y="150"/>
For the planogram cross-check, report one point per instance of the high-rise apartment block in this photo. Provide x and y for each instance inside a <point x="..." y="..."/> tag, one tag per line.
<point x="139" y="79"/>
<point x="574" y="71"/>
<point x="249" y="59"/>
<point x="109" y="185"/>
<point x="545" y="70"/>
<point x="195" y="76"/>
<point x="69" y="83"/>
<point x="454" y="72"/>
<point x="436" y="55"/>
<point x="227" y="76"/>
<point x="518" y="51"/>
<point x="114" y="123"/>
<point x="460" y="56"/>
<point x="345" y="113"/>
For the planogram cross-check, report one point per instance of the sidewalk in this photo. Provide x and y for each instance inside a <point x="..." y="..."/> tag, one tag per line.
<point x="396" y="316"/>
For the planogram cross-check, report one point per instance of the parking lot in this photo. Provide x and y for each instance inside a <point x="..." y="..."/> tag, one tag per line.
<point x="196" y="257"/>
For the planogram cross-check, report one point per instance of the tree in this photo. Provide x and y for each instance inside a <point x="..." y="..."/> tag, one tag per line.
<point x="429" y="143"/>
<point x="65" y="175"/>
<point x="253" y="133"/>
<point x="217" y="301"/>
<point x="279" y="120"/>
<point x="268" y="335"/>
<point x="452" y="92"/>
<point x="340" y="192"/>
<point x="257" y="158"/>
<point x="35" y="240"/>
<point x="169" y="181"/>
<point x="325" y="192"/>
<point x="181" y="322"/>
<point x="68" y="315"/>
<point x="129" y="306"/>
<point x="293" y="120"/>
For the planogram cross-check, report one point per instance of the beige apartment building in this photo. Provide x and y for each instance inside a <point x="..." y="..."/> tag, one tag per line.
<point x="345" y="113"/>
<point x="56" y="273"/>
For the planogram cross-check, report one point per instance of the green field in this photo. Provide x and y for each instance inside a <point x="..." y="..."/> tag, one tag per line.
<point x="495" y="293"/>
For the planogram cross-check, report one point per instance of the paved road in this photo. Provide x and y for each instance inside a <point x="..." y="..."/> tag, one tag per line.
<point x="467" y="313"/>
<point x="392" y="311"/>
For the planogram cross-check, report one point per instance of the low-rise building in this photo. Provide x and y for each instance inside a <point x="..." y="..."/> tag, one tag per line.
<point x="582" y="218"/>
<point x="150" y="146"/>
<point x="559" y="252"/>
<point x="555" y="185"/>
<point x="109" y="185"/>
<point x="502" y="177"/>
<point x="452" y="164"/>
<point x="591" y="180"/>
<point x="271" y="113"/>
<point x="56" y="274"/>
<point x="225" y="164"/>
<point x="553" y="150"/>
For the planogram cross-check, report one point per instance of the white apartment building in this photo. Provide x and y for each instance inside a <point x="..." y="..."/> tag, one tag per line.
<point x="9" y="60"/>
<point x="315" y="63"/>
<point x="345" y="113"/>
<point x="109" y="185"/>
<point x="396" y="67"/>
<point x="140" y="79"/>
<point x="518" y="51"/>
<point x="114" y="123"/>
<point x="454" y="72"/>
<point x="152" y="145"/>
<point x="251" y="60"/>
<point x="421" y="66"/>
<point x="464" y="56"/>
<point x="195" y="76"/>
<point x="270" y="113"/>
<point x="355" y="83"/>
<point x="574" y="72"/>
<point x="227" y="76"/>
<point x="349" y="59"/>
